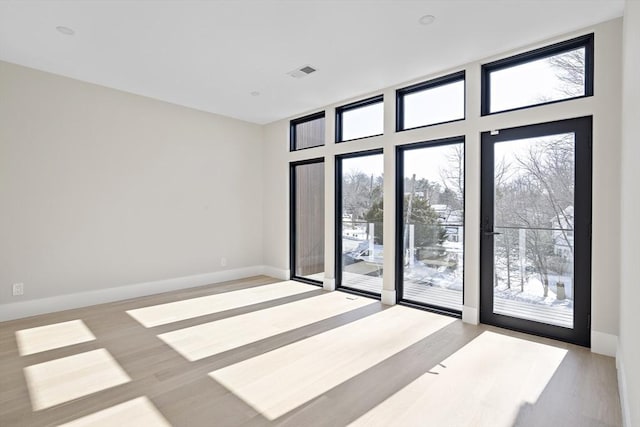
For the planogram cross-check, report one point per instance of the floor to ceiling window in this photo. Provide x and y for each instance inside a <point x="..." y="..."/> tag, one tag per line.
<point x="530" y="182"/>
<point x="307" y="220"/>
<point x="306" y="181"/>
<point x="359" y="209"/>
<point x="430" y="180"/>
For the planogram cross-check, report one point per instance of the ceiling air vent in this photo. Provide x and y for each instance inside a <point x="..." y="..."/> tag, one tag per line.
<point x="303" y="71"/>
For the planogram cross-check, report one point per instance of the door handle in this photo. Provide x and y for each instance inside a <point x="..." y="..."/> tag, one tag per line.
<point x="486" y="225"/>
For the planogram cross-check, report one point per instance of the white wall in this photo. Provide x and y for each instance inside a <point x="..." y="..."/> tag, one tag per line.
<point x="605" y="108"/>
<point x="629" y="350"/>
<point x="101" y="189"/>
<point x="275" y="210"/>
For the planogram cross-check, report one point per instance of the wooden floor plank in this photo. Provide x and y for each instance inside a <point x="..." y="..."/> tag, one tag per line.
<point x="393" y="364"/>
<point x="211" y="338"/>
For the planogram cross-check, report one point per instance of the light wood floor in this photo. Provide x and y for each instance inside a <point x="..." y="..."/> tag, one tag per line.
<point x="251" y="353"/>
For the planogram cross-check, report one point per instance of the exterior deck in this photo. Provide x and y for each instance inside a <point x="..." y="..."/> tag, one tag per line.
<point x="452" y="299"/>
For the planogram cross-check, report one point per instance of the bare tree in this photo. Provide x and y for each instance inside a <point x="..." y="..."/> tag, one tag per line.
<point x="552" y="165"/>
<point x="539" y="197"/>
<point x="453" y="173"/>
<point x="360" y="191"/>
<point x="531" y="214"/>
<point x="504" y="202"/>
<point x="570" y="70"/>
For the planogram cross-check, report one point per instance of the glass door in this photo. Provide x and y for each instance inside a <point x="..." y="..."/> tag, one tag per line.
<point x="535" y="230"/>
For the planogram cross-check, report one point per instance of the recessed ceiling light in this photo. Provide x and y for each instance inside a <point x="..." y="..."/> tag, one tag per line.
<point x="426" y="19"/>
<point x="255" y="93"/>
<point x="65" y="30"/>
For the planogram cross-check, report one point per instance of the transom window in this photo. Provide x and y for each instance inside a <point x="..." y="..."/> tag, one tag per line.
<point x="433" y="102"/>
<point x="307" y="132"/>
<point x="554" y="73"/>
<point x="360" y="119"/>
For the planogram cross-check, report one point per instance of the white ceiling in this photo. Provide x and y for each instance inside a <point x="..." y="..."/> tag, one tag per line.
<point x="210" y="55"/>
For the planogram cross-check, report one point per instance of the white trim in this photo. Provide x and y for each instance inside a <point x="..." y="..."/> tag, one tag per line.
<point x="329" y="284"/>
<point x="17" y="310"/>
<point x="470" y="315"/>
<point x="622" y="388"/>
<point x="603" y="343"/>
<point x="277" y="273"/>
<point x="388" y="297"/>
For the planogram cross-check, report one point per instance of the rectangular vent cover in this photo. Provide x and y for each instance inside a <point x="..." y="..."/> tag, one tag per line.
<point x="302" y="71"/>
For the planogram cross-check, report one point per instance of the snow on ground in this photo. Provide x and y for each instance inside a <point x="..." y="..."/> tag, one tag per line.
<point x="533" y="294"/>
<point x="430" y="276"/>
<point x="349" y="245"/>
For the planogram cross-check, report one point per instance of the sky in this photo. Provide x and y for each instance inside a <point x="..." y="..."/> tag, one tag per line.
<point x="424" y="162"/>
<point x="428" y="162"/>
<point x="513" y="87"/>
<point x="365" y="121"/>
<point x="373" y="164"/>
<point x="440" y="104"/>
<point x="507" y="151"/>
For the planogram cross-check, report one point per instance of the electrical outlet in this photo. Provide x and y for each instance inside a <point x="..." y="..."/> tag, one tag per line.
<point x="223" y="262"/>
<point x="18" y="289"/>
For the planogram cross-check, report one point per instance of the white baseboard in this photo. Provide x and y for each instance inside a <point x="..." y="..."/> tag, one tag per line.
<point x="277" y="273"/>
<point x="603" y="343"/>
<point x="470" y="315"/>
<point x="34" y="307"/>
<point x="329" y="284"/>
<point x="388" y="297"/>
<point x="622" y="388"/>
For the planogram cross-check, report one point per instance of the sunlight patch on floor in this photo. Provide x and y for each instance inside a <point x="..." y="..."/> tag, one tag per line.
<point x="49" y="337"/>
<point x="208" y="339"/>
<point x="61" y="380"/>
<point x="133" y="413"/>
<point x="187" y="309"/>
<point x="482" y="384"/>
<point x="281" y="380"/>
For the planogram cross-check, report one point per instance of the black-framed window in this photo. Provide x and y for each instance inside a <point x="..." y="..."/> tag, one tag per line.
<point x="360" y="119"/>
<point x="535" y="247"/>
<point x="307" y="132"/>
<point x="359" y="222"/>
<point x="551" y="74"/>
<point x="307" y="220"/>
<point x="436" y="101"/>
<point x="430" y="224"/>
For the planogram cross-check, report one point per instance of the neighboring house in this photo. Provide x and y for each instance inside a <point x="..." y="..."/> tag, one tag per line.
<point x="442" y="211"/>
<point x="416" y="194"/>
<point x="452" y="220"/>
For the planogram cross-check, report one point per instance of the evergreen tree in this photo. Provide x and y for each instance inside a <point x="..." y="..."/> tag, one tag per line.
<point x="428" y="230"/>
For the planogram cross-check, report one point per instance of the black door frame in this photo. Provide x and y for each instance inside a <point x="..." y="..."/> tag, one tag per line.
<point x="581" y="332"/>
<point x="292" y="219"/>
